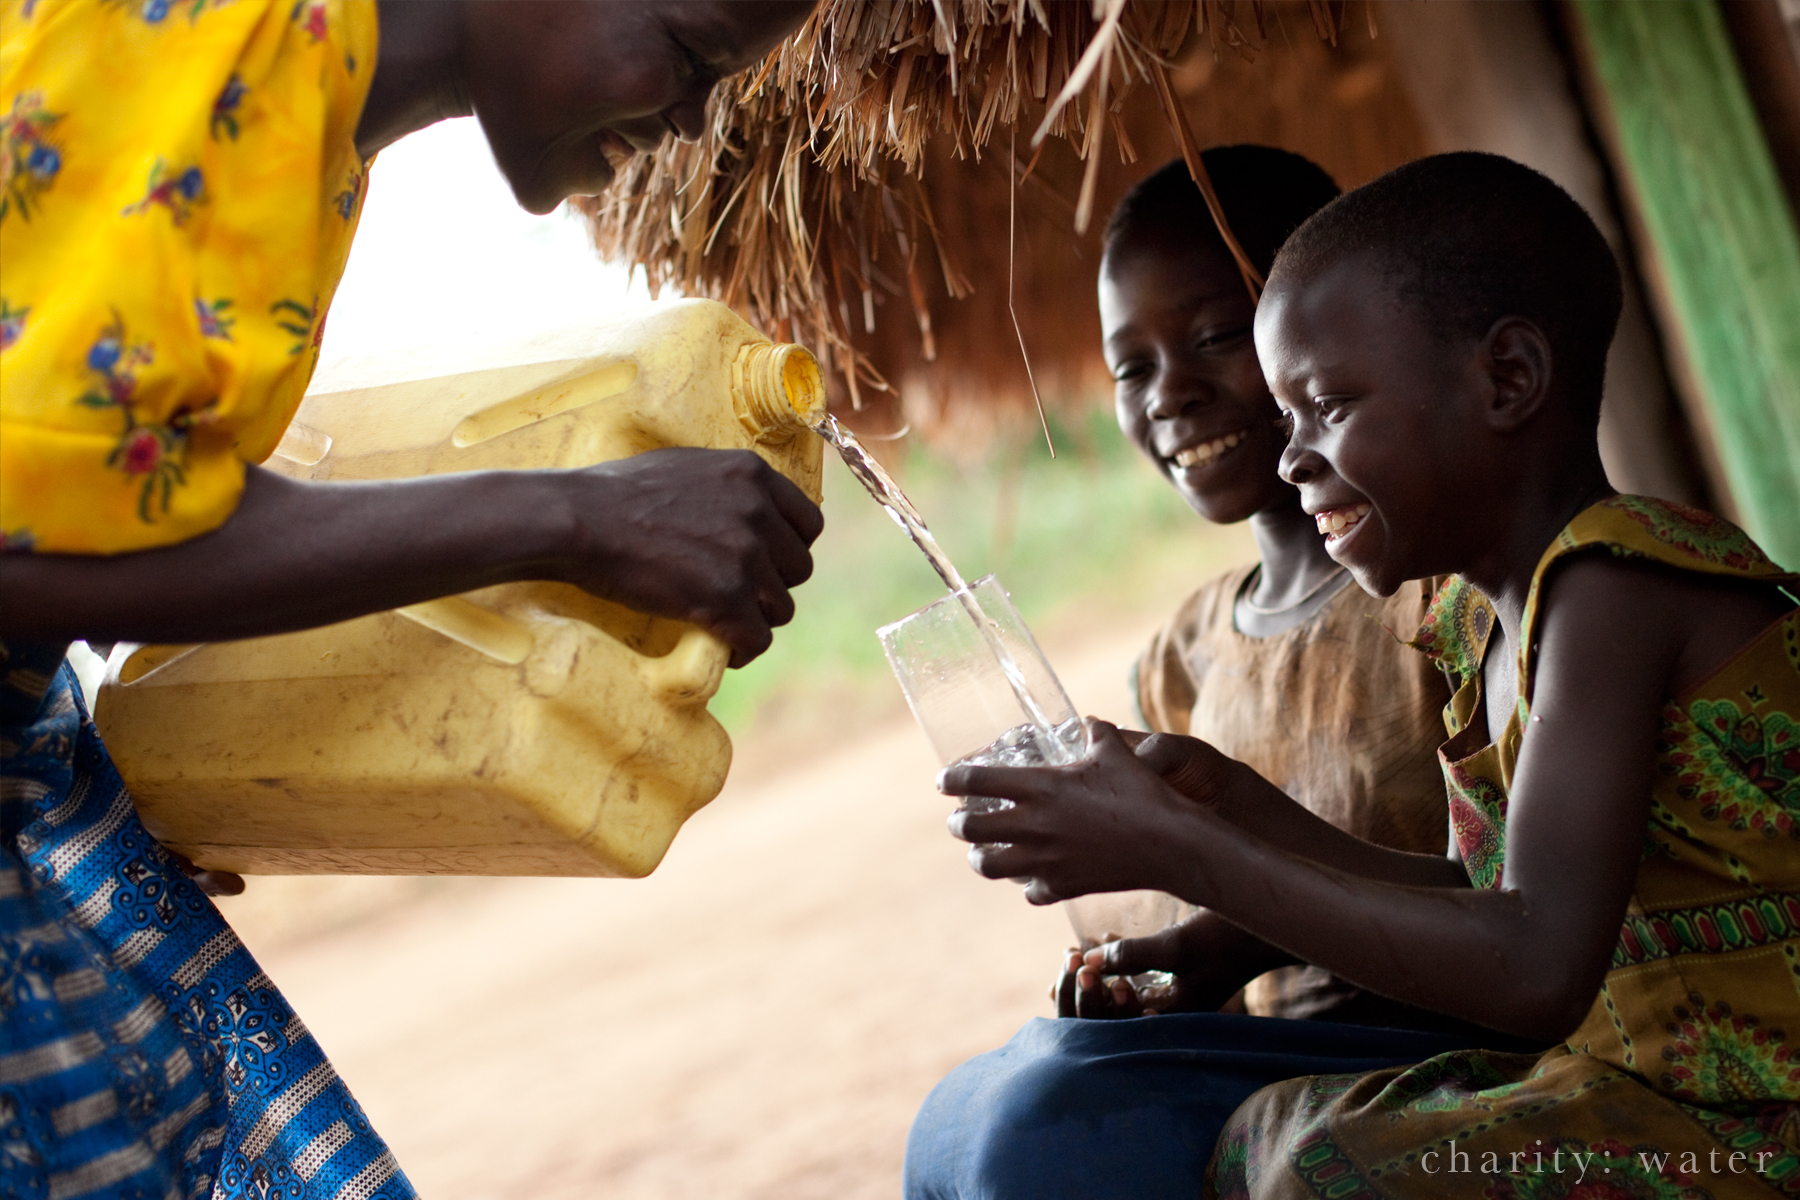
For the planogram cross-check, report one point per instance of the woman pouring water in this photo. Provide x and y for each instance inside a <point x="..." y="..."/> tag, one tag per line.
<point x="179" y="186"/>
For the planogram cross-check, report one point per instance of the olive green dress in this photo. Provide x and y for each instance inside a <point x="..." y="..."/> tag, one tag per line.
<point x="1681" y="1082"/>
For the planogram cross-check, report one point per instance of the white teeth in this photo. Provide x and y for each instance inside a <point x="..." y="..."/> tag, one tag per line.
<point x="1337" y="520"/>
<point x="1207" y="451"/>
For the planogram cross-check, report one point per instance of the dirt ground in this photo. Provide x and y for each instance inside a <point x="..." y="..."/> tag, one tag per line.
<point x="759" y="1018"/>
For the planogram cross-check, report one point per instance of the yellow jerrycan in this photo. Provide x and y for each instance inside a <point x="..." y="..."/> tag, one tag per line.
<point x="523" y="729"/>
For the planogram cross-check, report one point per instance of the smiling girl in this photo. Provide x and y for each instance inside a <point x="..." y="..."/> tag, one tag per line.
<point x="1624" y="770"/>
<point x="1285" y="664"/>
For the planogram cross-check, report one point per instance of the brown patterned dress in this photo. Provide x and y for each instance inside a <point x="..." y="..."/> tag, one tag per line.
<point x="1336" y="712"/>
<point x="1680" y="1083"/>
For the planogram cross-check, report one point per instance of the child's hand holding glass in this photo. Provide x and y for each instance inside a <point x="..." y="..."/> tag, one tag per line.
<point x="1196" y="965"/>
<point x="1106" y="823"/>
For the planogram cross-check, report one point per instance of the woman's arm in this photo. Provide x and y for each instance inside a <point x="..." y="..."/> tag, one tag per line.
<point x="1526" y="958"/>
<point x="709" y="536"/>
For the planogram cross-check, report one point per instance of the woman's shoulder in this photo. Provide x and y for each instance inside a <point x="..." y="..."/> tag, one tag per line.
<point x="216" y="141"/>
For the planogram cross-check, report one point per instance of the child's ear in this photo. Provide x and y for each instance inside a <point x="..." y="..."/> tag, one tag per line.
<point x="1518" y="360"/>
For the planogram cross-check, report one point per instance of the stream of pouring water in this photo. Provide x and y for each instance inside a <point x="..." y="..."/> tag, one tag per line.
<point x="1098" y="918"/>
<point x="887" y="493"/>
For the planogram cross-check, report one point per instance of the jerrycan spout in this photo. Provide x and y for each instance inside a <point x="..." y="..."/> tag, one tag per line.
<point x="776" y="391"/>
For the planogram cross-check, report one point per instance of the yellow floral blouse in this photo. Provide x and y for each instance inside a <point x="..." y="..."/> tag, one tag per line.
<point x="179" y="185"/>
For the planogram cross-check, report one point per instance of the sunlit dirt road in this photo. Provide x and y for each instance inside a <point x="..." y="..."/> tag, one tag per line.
<point x="760" y="1018"/>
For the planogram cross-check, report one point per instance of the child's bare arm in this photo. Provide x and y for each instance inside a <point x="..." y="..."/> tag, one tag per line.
<point x="1527" y="957"/>
<point x="1106" y="824"/>
<point x="1200" y="772"/>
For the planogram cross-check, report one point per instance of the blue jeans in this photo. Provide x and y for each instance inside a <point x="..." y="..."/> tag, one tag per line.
<point x="1089" y="1110"/>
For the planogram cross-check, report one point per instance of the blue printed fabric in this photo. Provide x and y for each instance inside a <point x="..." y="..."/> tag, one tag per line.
<point x="143" y="1053"/>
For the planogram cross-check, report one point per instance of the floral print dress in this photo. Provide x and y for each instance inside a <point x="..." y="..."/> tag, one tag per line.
<point x="178" y="189"/>
<point x="179" y="185"/>
<point x="1683" y="1082"/>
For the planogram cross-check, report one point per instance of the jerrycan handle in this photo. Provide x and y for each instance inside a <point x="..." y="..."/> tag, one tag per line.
<point x="688" y="674"/>
<point x="691" y="672"/>
<point x="496" y="635"/>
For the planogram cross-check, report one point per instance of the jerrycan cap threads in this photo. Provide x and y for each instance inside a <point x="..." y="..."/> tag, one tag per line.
<point x="776" y="390"/>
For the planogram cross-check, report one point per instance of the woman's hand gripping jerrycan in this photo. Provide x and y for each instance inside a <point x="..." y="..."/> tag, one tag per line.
<point x="524" y="729"/>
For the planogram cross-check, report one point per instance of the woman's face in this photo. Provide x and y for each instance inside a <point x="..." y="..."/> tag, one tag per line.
<point x="566" y="92"/>
<point x="1177" y="324"/>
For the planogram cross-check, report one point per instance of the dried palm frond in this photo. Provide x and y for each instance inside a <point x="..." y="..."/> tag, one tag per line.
<point x="810" y="202"/>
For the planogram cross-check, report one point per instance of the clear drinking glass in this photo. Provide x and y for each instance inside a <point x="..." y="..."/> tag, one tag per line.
<point x="972" y="707"/>
<point x="972" y="712"/>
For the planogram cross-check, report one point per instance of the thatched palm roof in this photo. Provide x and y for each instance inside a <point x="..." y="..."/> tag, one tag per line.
<point x="866" y="177"/>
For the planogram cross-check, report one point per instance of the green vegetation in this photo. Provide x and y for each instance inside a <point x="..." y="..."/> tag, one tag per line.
<point x="1096" y="523"/>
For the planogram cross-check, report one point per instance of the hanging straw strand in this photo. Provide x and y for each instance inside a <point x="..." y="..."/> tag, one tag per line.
<point x="1253" y="278"/>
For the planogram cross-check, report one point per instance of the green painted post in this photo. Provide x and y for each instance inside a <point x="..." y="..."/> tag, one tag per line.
<point x="1692" y="156"/>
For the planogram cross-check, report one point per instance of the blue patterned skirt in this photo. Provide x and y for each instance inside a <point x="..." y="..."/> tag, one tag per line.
<point x="143" y="1053"/>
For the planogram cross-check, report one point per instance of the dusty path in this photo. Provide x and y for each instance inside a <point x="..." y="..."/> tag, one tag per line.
<point x="760" y="1018"/>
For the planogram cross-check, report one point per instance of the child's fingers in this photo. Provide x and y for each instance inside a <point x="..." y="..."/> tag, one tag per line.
<point x="219" y="883"/>
<point x="1009" y="824"/>
<point x="1109" y="998"/>
<point x="1133" y="956"/>
<point x="1093" y="999"/>
<point x="1133" y="738"/>
<point x="1000" y="825"/>
<point x="1000" y="861"/>
<point x="1102" y="733"/>
<point x="1124" y="753"/>
<point x="1008" y="783"/>
<point x="1188" y="765"/>
<point x="1063" y="994"/>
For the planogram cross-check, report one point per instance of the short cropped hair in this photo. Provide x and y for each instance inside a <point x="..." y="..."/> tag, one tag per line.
<point x="1465" y="239"/>
<point x="1266" y="194"/>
